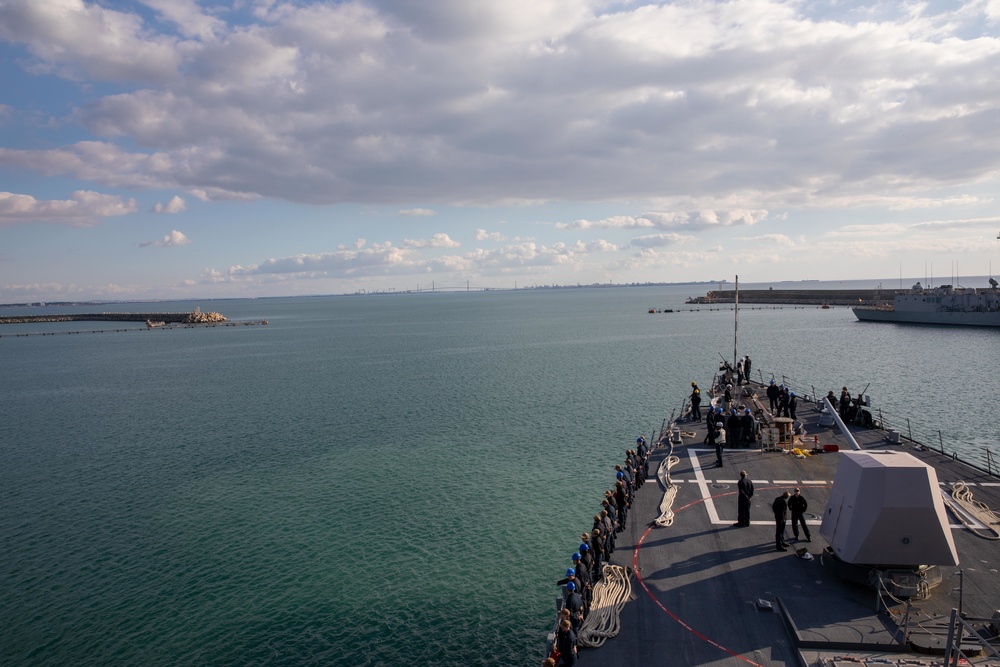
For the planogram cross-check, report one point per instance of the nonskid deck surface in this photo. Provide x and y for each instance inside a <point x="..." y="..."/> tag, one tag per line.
<point x="708" y="593"/>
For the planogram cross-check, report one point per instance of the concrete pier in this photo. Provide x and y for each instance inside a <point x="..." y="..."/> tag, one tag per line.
<point x="850" y="297"/>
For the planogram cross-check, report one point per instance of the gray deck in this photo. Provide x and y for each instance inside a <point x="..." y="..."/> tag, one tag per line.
<point x="699" y="582"/>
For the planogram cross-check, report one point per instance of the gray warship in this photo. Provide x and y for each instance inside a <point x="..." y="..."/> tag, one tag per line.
<point x="902" y="569"/>
<point x="938" y="305"/>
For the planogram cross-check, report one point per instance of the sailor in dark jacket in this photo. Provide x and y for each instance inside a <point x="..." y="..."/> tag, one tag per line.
<point x="574" y="603"/>
<point x="621" y="500"/>
<point x="779" y="507"/>
<point x="797" y="506"/>
<point x="734" y="430"/>
<point x="791" y="404"/>
<point x="772" y="397"/>
<point x="566" y="644"/>
<point x="695" y="402"/>
<point x="747" y="430"/>
<point x="745" y="488"/>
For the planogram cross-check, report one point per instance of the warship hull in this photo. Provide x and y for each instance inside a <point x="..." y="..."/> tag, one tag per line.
<point x="957" y="318"/>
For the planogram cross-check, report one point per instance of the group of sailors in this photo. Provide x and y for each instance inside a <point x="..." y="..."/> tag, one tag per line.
<point x="782" y="400"/>
<point x="850" y="409"/>
<point x="596" y="547"/>
<point x="742" y="371"/>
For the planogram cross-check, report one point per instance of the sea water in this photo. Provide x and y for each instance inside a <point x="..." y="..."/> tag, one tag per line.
<point x="381" y="480"/>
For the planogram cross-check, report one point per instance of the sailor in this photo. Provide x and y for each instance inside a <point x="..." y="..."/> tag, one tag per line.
<point x="586" y="557"/>
<point x="622" y="504"/>
<point x="612" y="506"/>
<point x="791" y="404"/>
<point x="739" y="371"/>
<point x="782" y="401"/>
<point x="574" y="602"/>
<point x="719" y="440"/>
<point x="747" y="428"/>
<point x="597" y="548"/>
<point x="727" y="398"/>
<point x="734" y="429"/>
<point x="845" y="402"/>
<point x="584" y="582"/>
<point x="745" y="488"/>
<point x="566" y="643"/>
<point x="695" y="402"/>
<point x="780" y="507"/>
<point x="643" y="449"/>
<point x="571" y="577"/>
<point x="797" y="506"/>
<point x="746" y="368"/>
<point x="608" y="531"/>
<point x="772" y="396"/>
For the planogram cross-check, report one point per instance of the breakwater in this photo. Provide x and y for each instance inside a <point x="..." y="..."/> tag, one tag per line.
<point x="849" y="297"/>
<point x="196" y="317"/>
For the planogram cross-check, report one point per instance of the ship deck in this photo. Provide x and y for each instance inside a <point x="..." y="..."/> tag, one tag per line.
<point x="708" y="593"/>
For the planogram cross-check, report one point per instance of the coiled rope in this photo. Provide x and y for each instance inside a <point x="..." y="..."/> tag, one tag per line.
<point x="666" y="517"/>
<point x="610" y="595"/>
<point x="962" y="496"/>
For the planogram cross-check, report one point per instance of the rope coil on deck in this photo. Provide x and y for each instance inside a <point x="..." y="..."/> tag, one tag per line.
<point x="610" y="595"/>
<point x="666" y="517"/>
<point x="962" y="496"/>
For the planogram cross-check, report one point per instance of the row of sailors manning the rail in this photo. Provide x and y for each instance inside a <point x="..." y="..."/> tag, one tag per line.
<point x="782" y="402"/>
<point x="595" y="550"/>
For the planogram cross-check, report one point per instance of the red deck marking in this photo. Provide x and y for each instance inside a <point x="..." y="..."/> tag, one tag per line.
<point x="638" y="576"/>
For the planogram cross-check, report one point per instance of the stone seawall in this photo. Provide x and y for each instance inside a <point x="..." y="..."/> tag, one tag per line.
<point x="197" y="317"/>
<point x="853" y="297"/>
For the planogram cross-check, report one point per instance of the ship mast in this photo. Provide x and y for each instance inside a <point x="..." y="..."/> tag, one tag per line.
<point x="736" y="325"/>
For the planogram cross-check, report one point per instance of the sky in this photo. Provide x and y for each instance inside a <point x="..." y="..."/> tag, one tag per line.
<point x="176" y="149"/>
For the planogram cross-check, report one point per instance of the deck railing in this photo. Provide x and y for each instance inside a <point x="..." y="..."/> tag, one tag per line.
<point x="881" y="419"/>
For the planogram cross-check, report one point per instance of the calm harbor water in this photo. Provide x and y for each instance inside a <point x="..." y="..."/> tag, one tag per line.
<point x="388" y="480"/>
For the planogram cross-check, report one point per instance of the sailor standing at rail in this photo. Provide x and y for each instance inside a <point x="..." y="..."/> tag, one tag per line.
<point x="643" y="449"/>
<point x="772" y="396"/>
<point x="746" y="368"/>
<point x="695" y="402"/>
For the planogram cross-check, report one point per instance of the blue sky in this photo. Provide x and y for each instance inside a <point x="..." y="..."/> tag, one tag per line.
<point x="165" y="149"/>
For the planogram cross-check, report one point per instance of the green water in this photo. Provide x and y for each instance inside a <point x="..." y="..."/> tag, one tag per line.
<point x="387" y="480"/>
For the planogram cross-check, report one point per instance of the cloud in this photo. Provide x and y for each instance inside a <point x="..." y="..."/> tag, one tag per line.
<point x="72" y="38"/>
<point x="437" y="241"/>
<point x="84" y="209"/>
<point x="173" y="239"/>
<point x="483" y="235"/>
<point x="175" y="205"/>
<point x="571" y="100"/>
<point x="690" y="221"/>
<point x="660" y="240"/>
<point x="417" y="212"/>
<point x="778" y="239"/>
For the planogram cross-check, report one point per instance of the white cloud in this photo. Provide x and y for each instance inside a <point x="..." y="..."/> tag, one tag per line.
<point x="387" y="102"/>
<point x="188" y="17"/>
<point x="436" y="241"/>
<point x="85" y="208"/>
<point x="660" y="240"/>
<point x="418" y="212"/>
<point x="483" y="235"/>
<point x="73" y="38"/>
<point x="175" y="205"/>
<point x="691" y="221"/>
<point x="173" y="239"/>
